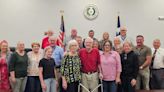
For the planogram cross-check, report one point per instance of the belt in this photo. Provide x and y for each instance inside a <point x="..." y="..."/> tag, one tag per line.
<point x="159" y="69"/>
<point x="90" y="72"/>
<point x="58" y="66"/>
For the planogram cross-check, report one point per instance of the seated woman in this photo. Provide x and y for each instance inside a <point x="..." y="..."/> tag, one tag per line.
<point x="70" y="68"/>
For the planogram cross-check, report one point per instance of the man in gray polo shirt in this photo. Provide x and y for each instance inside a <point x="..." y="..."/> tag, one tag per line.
<point x="144" y="55"/>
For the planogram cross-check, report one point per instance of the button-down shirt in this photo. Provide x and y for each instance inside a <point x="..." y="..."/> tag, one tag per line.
<point x="111" y="65"/>
<point x="58" y="54"/>
<point x="159" y="58"/>
<point x="89" y="60"/>
<point x="125" y="38"/>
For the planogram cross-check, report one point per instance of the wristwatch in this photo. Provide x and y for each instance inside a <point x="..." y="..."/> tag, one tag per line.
<point x="141" y="67"/>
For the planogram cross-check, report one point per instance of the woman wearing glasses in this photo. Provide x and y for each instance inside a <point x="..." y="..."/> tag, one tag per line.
<point x="110" y="68"/>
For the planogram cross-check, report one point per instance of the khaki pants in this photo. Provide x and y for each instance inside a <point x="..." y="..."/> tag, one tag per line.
<point x="90" y="81"/>
<point x="20" y="84"/>
<point x="143" y="77"/>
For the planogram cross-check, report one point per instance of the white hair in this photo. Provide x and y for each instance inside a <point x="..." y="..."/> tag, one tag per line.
<point x="19" y="43"/>
<point x="157" y="40"/>
<point x="89" y="38"/>
<point x="72" y="42"/>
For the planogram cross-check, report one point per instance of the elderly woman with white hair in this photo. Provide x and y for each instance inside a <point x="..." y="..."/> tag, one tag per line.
<point x="18" y="68"/>
<point x="117" y="45"/>
<point x="70" y="68"/>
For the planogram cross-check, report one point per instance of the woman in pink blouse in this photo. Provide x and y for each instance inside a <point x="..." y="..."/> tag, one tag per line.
<point x="110" y="68"/>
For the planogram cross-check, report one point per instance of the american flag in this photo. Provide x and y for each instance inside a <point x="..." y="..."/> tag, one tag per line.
<point x="62" y="33"/>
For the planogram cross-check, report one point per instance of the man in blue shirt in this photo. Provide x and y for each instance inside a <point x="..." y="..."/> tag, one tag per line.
<point x="57" y="54"/>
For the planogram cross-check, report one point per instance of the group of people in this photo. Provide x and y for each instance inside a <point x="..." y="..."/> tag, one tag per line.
<point x="118" y="65"/>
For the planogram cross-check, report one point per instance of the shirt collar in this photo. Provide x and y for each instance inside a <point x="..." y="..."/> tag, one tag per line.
<point x="141" y="47"/>
<point x="108" y="53"/>
<point x="87" y="51"/>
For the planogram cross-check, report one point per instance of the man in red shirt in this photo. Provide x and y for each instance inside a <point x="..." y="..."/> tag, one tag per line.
<point x="90" y="60"/>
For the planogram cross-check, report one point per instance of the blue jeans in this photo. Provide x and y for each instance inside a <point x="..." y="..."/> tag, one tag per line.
<point x="109" y="86"/>
<point x="50" y="84"/>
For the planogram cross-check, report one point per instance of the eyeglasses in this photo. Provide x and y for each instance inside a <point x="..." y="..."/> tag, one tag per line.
<point x="107" y="45"/>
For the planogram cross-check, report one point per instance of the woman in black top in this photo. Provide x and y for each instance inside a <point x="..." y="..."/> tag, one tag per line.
<point x="18" y="68"/>
<point x="47" y="71"/>
<point x="130" y="67"/>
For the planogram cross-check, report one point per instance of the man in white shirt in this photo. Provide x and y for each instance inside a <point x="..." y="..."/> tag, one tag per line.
<point x="123" y="35"/>
<point x="157" y="66"/>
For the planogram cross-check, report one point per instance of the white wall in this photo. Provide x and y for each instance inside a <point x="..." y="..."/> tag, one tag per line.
<point x="27" y="20"/>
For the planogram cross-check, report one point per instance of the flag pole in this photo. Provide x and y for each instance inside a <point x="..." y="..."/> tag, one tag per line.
<point x="62" y="32"/>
